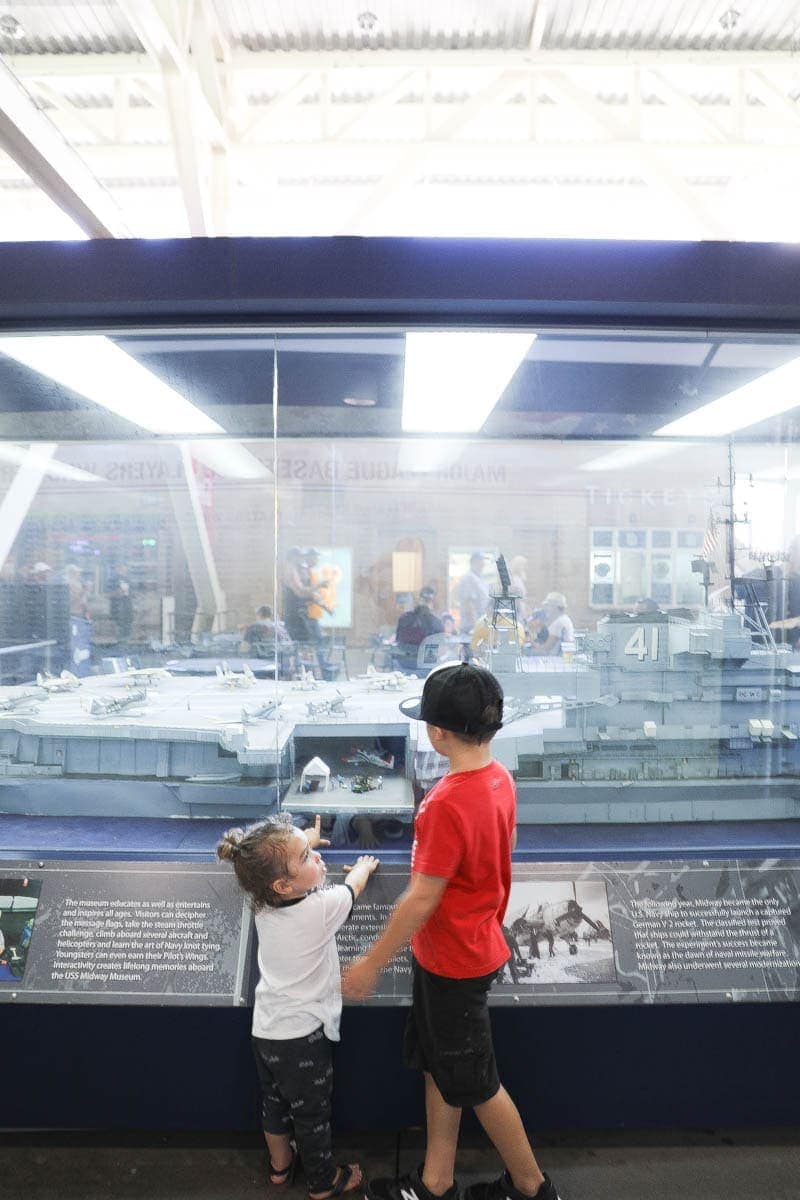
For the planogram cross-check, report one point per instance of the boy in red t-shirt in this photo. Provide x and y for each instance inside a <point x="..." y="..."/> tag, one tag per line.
<point x="452" y="913"/>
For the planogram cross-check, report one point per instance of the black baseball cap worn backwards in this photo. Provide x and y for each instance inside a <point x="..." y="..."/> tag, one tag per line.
<point x="457" y="696"/>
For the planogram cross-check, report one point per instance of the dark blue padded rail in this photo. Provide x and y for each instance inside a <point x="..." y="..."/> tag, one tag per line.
<point x="166" y="839"/>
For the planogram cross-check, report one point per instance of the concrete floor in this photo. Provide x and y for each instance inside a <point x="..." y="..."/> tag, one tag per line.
<point x="680" y="1165"/>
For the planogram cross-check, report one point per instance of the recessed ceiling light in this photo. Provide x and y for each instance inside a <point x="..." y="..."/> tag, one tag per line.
<point x="366" y="21"/>
<point x="359" y="401"/>
<point x="10" y="27"/>
<point x="730" y="19"/>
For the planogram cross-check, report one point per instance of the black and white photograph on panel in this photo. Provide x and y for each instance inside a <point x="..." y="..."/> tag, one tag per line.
<point x="558" y="932"/>
<point x="19" y="898"/>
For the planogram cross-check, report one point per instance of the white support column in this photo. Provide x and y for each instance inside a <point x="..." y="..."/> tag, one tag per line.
<point x="210" y="613"/>
<point x="17" y="501"/>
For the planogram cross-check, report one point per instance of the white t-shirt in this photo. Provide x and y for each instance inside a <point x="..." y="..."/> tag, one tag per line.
<point x="563" y="629"/>
<point x="298" y="963"/>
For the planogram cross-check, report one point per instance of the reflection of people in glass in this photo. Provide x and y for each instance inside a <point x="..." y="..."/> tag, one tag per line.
<point x="473" y="594"/>
<point x="263" y="632"/>
<point x="550" y="627"/>
<point x="120" y="607"/>
<point x="323" y="581"/>
<point x="297" y="593"/>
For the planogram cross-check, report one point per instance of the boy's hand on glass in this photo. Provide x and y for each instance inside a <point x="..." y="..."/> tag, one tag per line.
<point x="314" y="835"/>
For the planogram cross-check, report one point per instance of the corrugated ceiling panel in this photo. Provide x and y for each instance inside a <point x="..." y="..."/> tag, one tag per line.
<point x="397" y="24"/>
<point x="682" y="24"/>
<point x="93" y="28"/>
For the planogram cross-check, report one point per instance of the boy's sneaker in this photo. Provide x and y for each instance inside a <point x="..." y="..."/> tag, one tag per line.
<point x="407" y="1187"/>
<point x="503" y="1189"/>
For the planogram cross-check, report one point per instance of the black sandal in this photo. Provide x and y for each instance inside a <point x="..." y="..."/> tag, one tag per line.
<point x="346" y="1173"/>
<point x="287" y="1173"/>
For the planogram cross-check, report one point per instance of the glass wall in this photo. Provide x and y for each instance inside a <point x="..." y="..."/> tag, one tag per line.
<point x="227" y="557"/>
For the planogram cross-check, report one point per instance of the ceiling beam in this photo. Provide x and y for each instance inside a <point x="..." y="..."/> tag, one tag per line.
<point x="475" y="156"/>
<point x="265" y="61"/>
<point x="496" y="91"/>
<point x="195" y="104"/>
<point x="39" y="150"/>
<point x="645" y="161"/>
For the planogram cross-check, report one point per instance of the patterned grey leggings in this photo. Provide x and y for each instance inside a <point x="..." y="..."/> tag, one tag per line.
<point x="296" y="1077"/>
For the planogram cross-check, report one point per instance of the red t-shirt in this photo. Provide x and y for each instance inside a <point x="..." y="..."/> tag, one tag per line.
<point x="463" y="833"/>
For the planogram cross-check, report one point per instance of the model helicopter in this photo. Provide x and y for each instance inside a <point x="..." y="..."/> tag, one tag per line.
<point x="23" y="703"/>
<point x="327" y="708"/>
<point x="235" y="679"/>
<point x="113" y="706"/>
<point x="65" y="682"/>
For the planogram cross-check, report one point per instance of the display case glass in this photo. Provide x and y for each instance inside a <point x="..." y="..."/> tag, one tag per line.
<point x="226" y="555"/>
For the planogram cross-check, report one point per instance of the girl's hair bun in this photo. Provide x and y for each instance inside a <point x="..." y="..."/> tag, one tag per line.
<point x="230" y="846"/>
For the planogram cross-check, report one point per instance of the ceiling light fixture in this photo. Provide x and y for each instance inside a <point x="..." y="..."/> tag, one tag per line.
<point x="94" y="367"/>
<point x="452" y="381"/>
<point x="10" y="27"/>
<point x="730" y="19"/>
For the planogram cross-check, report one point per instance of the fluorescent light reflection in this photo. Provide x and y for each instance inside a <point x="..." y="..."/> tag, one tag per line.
<point x="59" y="470"/>
<point x="632" y="455"/>
<point x="94" y="367"/>
<point x="452" y="381"/>
<point x="767" y="396"/>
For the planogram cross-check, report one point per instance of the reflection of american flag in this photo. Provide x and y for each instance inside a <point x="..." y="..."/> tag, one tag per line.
<point x="711" y="539"/>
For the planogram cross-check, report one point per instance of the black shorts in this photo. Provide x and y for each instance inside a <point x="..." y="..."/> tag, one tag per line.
<point x="448" y="1034"/>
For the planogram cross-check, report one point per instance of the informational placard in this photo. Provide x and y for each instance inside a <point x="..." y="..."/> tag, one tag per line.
<point x="626" y="933"/>
<point x="577" y="933"/>
<point x="123" y="933"/>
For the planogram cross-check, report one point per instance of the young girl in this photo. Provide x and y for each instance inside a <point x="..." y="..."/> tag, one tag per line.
<point x="297" y="1002"/>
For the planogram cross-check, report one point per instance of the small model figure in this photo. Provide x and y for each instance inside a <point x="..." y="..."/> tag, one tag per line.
<point x="366" y="783"/>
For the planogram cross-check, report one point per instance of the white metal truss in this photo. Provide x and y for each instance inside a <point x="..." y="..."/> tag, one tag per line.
<point x="244" y="135"/>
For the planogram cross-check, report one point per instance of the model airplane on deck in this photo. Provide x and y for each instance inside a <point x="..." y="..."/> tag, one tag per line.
<point x="327" y="708"/>
<point x="113" y="706"/>
<point x="305" y="681"/>
<point x="235" y="679"/>
<point x="387" y="681"/>
<point x="371" y="758"/>
<point x="265" y="712"/>
<point x="65" y="682"/>
<point x="133" y="676"/>
<point x="23" y="703"/>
